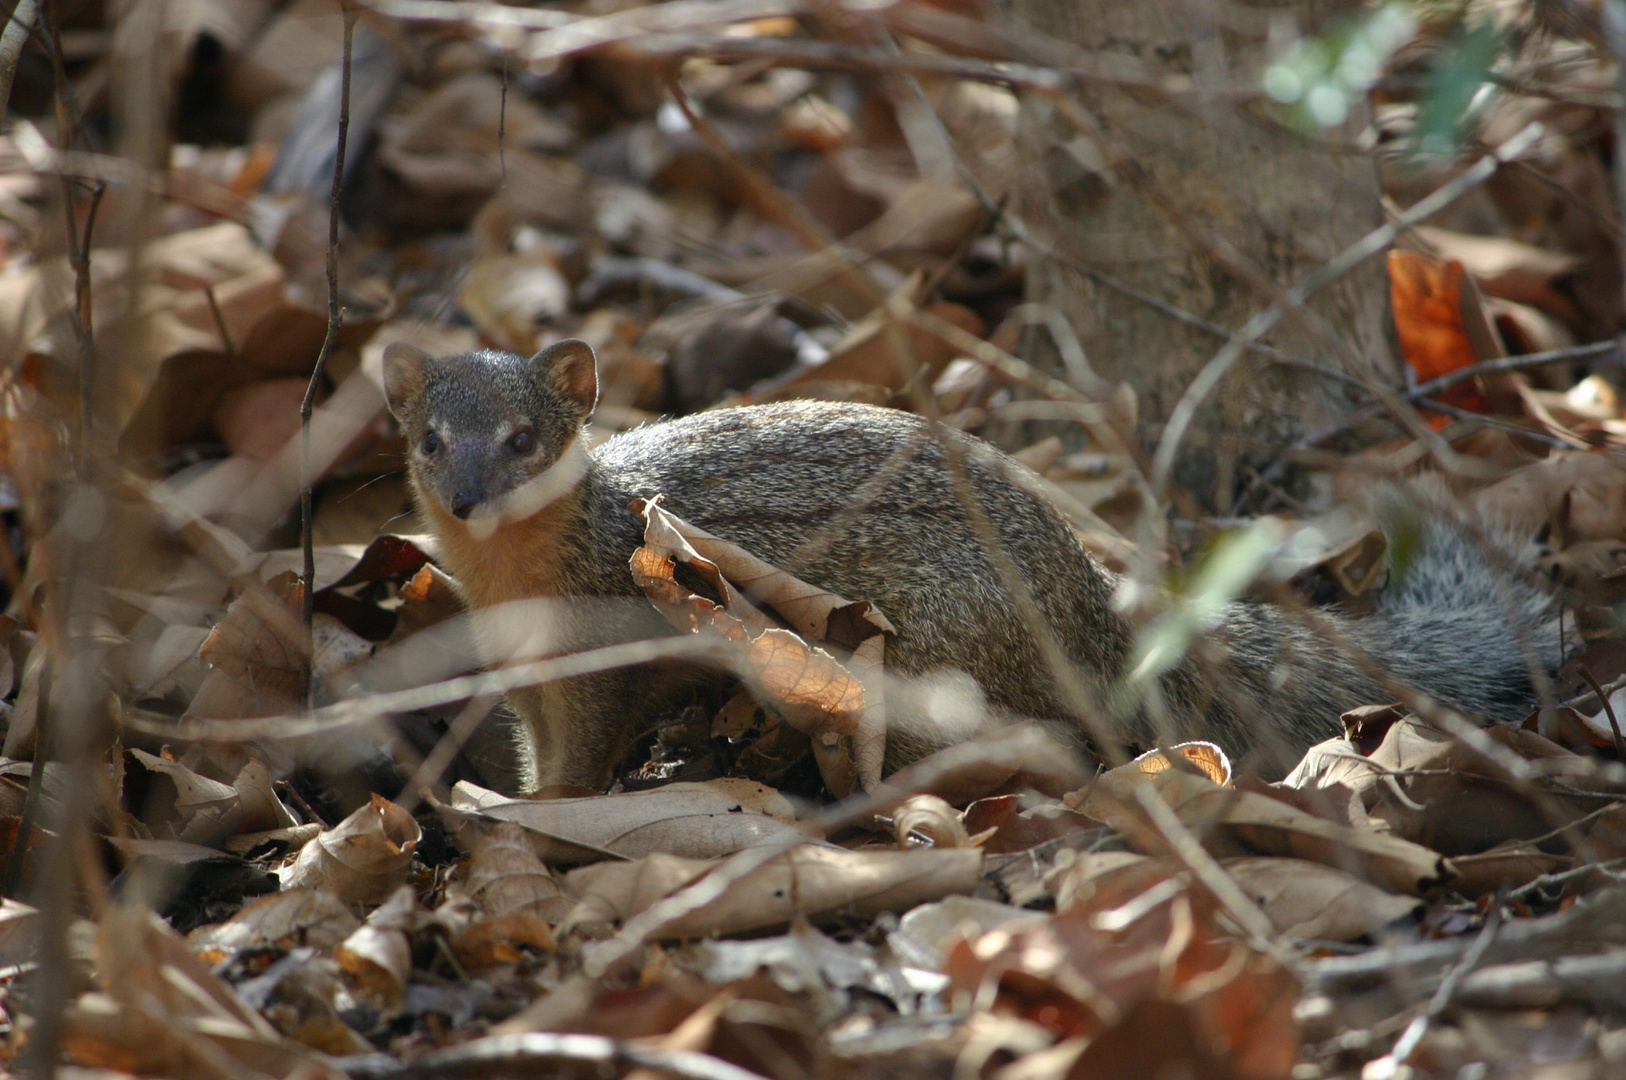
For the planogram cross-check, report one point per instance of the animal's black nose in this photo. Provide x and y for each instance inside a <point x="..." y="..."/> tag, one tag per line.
<point x="463" y="509"/>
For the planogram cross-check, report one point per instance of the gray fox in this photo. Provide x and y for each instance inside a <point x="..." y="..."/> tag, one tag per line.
<point x="978" y="573"/>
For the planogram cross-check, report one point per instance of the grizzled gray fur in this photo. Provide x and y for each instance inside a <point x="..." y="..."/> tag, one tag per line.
<point x="978" y="573"/>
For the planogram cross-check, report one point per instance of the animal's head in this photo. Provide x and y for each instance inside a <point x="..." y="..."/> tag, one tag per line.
<point x="485" y="430"/>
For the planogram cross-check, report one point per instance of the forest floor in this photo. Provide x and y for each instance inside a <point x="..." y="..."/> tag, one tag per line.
<point x="238" y="845"/>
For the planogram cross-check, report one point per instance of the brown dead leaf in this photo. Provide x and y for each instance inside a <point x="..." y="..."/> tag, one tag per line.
<point x="19" y="932"/>
<point x="1087" y="973"/>
<point x="694" y="820"/>
<point x="1010" y="760"/>
<point x="1311" y="900"/>
<point x="1420" y="784"/>
<point x="1001" y="824"/>
<point x="162" y="1012"/>
<point x="880" y="351"/>
<point x="280" y="921"/>
<point x="1507" y="865"/>
<point x="1078" y="876"/>
<point x="836" y="706"/>
<point x="1202" y="758"/>
<point x="378" y="955"/>
<point x="1507" y="268"/>
<point x="716" y="346"/>
<point x="510" y="296"/>
<point x="1582" y="495"/>
<point x="515" y="900"/>
<point x="928" y="821"/>
<point x="429" y="598"/>
<point x="362" y="859"/>
<point x="258" y="654"/>
<point x="1428" y="297"/>
<point x="1233" y="823"/>
<point x="505" y="877"/>
<point x="807" y="880"/>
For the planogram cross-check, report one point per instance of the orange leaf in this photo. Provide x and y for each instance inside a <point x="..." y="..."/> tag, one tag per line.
<point x="1426" y="294"/>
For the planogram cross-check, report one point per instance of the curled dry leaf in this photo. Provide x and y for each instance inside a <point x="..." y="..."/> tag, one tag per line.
<point x="807" y="880"/>
<point x="1091" y="972"/>
<point x="279" y="921"/>
<point x="162" y="1012"/>
<point x="928" y="821"/>
<point x="1202" y="758"/>
<point x="694" y="820"/>
<point x="258" y="654"/>
<point x="506" y="878"/>
<point x="258" y="805"/>
<point x="1013" y="759"/>
<point x="1420" y="784"/>
<point x="1309" y="900"/>
<point x="515" y="900"/>
<point x="378" y="955"/>
<point x="838" y="705"/>
<point x="1002" y="824"/>
<point x="360" y="860"/>
<point x="200" y="803"/>
<point x="1233" y="823"/>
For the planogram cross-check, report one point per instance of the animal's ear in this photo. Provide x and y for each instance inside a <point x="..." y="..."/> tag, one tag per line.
<point x="569" y="369"/>
<point x="405" y="372"/>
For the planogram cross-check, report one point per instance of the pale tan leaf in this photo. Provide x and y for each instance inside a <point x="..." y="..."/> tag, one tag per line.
<point x="378" y="954"/>
<point x="926" y="820"/>
<point x="258" y="654"/>
<point x="280" y="921"/>
<point x="1233" y="823"/>
<point x="696" y="820"/>
<point x="807" y="880"/>
<point x="1311" y="900"/>
<point x="362" y="859"/>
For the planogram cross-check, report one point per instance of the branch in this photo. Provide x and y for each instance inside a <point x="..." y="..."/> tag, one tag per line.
<point x="335" y="315"/>
<point x="18" y="29"/>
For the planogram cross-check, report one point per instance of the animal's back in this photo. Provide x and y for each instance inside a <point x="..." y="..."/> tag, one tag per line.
<point x="876" y="504"/>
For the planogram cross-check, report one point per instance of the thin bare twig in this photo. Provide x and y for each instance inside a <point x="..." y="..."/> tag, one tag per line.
<point x="1608" y="709"/>
<point x="70" y="731"/>
<point x="1409" y="1039"/>
<point x="1581" y="699"/>
<point x="220" y="320"/>
<point x="1613" y="17"/>
<point x="18" y="30"/>
<point x="534" y="1052"/>
<point x="445" y="692"/>
<point x="1609" y="868"/>
<point x="335" y="316"/>
<point x="1468" y="415"/>
<point x="1503" y="364"/>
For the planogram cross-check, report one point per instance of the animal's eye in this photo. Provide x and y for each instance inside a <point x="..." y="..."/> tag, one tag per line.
<point x="521" y="442"/>
<point x="431" y="442"/>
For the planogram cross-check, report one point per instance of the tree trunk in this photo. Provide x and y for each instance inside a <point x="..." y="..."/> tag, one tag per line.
<point x="1211" y="210"/>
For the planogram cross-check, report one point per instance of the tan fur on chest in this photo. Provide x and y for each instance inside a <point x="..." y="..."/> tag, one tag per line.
<point x="518" y="560"/>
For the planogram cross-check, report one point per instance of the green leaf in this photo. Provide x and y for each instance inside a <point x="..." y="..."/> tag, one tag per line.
<point x="1224" y="574"/>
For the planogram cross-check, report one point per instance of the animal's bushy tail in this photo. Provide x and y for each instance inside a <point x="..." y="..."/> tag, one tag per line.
<point x="1458" y="617"/>
<point x="1456" y="620"/>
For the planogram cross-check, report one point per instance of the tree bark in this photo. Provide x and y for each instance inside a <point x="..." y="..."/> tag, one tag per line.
<point x="1211" y="206"/>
